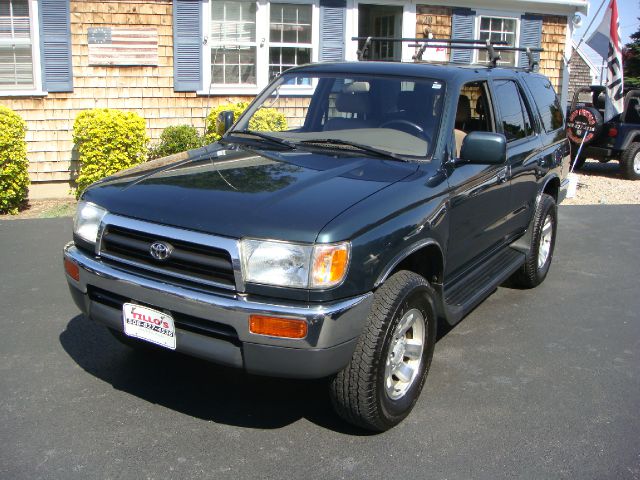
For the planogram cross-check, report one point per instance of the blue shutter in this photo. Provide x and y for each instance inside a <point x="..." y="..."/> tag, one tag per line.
<point x="530" y="36"/>
<point x="462" y="23"/>
<point x="55" y="46"/>
<point x="187" y="45"/>
<point x="332" y="30"/>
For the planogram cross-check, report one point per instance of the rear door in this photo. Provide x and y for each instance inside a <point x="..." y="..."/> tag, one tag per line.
<point x="516" y="122"/>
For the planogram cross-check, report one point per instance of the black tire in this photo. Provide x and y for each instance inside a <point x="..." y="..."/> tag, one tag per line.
<point x="630" y="162"/>
<point x="359" y="393"/>
<point x="531" y="274"/>
<point x="584" y="121"/>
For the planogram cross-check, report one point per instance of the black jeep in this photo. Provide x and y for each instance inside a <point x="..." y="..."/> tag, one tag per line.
<point x="617" y="139"/>
<point x="404" y="196"/>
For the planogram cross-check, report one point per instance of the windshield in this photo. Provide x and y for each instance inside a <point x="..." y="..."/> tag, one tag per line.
<point x="387" y="114"/>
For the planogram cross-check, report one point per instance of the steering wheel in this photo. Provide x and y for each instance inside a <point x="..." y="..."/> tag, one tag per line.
<point x="413" y="128"/>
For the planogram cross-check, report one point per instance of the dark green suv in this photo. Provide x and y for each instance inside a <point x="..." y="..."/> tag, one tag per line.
<point x="400" y="196"/>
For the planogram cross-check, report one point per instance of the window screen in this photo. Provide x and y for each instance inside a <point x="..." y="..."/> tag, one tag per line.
<point x="16" y="57"/>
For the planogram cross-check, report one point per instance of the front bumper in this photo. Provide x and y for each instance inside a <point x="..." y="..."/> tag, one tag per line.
<point x="215" y="326"/>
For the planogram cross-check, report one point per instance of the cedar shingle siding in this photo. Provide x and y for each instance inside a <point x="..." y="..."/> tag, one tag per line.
<point x="145" y="90"/>
<point x="580" y="75"/>
<point x="149" y="90"/>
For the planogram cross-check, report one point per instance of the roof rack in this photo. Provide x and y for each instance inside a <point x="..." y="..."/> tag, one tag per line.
<point x="493" y="49"/>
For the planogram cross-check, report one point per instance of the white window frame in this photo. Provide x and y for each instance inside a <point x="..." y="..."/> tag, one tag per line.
<point x="37" y="90"/>
<point x="408" y="25"/>
<point x="502" y="15"/>
<point x="263" y="16"/>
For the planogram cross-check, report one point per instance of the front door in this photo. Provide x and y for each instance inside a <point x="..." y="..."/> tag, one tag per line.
<point x="381" y="21"/>
<point x="480" y="194"/>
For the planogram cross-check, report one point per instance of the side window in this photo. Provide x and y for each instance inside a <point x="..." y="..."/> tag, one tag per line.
<point x="515" y="119"/>
<point x="473" y="113"/>
<point x="547" y="102"/>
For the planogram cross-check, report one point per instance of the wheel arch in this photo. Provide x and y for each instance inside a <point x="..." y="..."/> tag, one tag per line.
<point x="551" y="186"/>
<point x="631" y="137"/>
<point x="425" y="258"/>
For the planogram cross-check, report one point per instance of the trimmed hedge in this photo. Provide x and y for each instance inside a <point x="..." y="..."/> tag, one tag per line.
<point x="177" y="139"/>
<point x="14" y="174"/>
<point x="265" y="119"/>
<point x="107" y="141"/>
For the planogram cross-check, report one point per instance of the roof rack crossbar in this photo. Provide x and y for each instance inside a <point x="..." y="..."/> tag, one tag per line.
<point x="493" y="48"/>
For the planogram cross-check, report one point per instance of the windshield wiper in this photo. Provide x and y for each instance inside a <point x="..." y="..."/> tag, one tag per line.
<point x="253" y="135"/>
<point x="337" y="143"/>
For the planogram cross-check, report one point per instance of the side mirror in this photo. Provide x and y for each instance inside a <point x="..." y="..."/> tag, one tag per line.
<point x="484" y="148"/>
<point x="224" y="121"/>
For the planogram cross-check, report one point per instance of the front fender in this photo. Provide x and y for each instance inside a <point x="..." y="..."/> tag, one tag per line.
<point x="385" y="227"/>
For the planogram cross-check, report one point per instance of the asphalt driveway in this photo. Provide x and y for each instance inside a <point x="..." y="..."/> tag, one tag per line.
<point x="535" y="384"/>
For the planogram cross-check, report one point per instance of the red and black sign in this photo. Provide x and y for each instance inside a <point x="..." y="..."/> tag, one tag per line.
<point x="584" y="122"/>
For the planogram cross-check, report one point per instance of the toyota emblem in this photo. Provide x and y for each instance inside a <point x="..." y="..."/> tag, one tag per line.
<point x="160" y="250"/>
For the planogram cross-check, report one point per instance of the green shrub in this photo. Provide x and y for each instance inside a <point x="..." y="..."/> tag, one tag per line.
<point x="107" y="141"/>
<point x="265" y="119"/>
<point x="14" y="175"/>
<point x="176" y="139"/>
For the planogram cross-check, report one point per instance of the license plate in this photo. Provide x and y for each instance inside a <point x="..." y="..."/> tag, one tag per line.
<point x="149" y="324"/>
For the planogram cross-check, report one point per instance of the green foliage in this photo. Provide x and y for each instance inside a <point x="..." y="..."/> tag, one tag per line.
<point x="176" y="139"/>
<point x="107" y="141"/>
<point x="14" y="175"/>
<point x="265" y="119"/>
<point x="631" y="62"/>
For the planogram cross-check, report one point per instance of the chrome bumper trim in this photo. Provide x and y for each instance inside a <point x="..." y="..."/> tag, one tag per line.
<point x="329" y="324"/>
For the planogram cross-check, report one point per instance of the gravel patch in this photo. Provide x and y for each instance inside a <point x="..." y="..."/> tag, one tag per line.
<point x="602" y="183"/>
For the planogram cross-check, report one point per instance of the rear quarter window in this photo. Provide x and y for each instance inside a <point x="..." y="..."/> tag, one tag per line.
<point x="547" y="102"/>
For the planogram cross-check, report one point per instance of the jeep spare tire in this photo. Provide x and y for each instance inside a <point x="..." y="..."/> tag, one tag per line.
<point x="584" y="121"/>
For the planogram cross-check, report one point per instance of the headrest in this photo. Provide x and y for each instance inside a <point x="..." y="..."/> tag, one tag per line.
<point x="464" y="109"/>
<point x="356" y="87"/>
<point x="599" y="101"/>
<point x="353" y="103"/>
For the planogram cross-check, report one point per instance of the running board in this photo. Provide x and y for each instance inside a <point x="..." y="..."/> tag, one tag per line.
<point x="463" y="294"/>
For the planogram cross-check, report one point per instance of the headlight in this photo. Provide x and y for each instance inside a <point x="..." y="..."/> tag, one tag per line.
<point x="87" y="221"/>
<point x="294" y="265"/>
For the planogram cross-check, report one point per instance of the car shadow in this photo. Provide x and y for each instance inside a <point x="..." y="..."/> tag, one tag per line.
<point x="593" y="168"/>
<point x="199" y="388"/>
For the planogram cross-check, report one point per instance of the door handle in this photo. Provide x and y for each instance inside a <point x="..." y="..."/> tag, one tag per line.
<point x="503" y="174"/>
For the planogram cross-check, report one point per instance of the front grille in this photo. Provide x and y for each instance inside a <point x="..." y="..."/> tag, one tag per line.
<point x="189" y="263"/>
<point x="181" y="320"/>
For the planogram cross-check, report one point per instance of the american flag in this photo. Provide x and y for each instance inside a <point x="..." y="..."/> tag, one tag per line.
<point x="606" y="42"/>
<point x="123" y="46"/>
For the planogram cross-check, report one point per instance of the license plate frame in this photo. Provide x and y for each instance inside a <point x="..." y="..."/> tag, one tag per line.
<point x="149" y="324"/>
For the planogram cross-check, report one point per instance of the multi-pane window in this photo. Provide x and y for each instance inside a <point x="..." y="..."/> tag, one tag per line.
<point x="252" y="42"/>
<point x="497" y="29"/>
<point x="16" y="53"/>
<point x="233" y="42"/>
<point x="290" y="31"/>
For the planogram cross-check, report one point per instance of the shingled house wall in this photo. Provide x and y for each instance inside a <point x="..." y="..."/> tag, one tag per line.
<point x="437" y="20"/>
<point x="145" y="90"/>
<point x="580" y="73"/>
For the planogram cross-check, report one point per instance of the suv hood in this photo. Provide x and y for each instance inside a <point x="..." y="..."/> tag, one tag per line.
<point x="286" y="195"/>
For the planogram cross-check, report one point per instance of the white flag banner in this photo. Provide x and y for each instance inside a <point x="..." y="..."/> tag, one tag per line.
<point x="606" y="42"/>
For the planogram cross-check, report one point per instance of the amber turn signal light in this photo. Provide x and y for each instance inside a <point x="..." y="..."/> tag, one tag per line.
<point x="277" y="327"/>
<point x="72" y="269"/>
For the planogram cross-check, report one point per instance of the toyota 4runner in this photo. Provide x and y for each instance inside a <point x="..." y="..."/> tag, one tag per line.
<point x="403" y="197"/>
